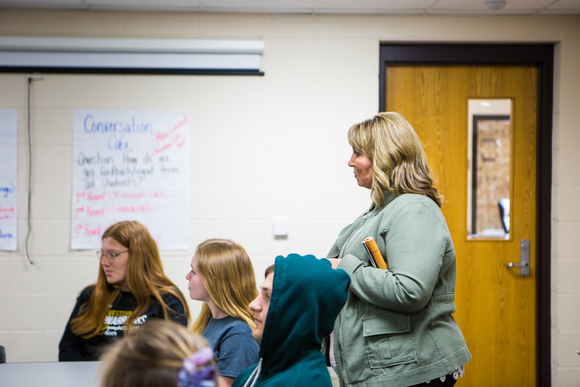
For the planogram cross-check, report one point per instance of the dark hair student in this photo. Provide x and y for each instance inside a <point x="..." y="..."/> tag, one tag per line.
<point x="296" y="308"/>
<point x="397" y="328"/>
<point x="131" y="289"/>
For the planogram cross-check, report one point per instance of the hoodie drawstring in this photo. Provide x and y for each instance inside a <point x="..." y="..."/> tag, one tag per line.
<point x="255" y="374"/>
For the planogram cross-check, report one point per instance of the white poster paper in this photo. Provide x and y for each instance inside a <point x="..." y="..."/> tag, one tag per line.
<point x="131" y="165"/>
<point x="8" y="178"/>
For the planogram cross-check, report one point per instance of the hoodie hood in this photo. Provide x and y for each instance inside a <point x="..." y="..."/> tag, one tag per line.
<point x="307" y="295"/>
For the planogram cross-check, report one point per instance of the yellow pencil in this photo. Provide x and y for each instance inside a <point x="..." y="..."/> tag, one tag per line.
<point x="375" y="253"/>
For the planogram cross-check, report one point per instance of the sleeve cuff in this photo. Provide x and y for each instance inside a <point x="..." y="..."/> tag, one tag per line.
<point x="350" y="263"/>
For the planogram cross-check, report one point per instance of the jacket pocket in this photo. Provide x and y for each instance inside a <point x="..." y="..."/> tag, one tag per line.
<point x="388" y="340"/>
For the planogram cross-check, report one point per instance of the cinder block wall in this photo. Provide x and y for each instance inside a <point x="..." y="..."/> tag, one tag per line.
<point x="262" y="147"/>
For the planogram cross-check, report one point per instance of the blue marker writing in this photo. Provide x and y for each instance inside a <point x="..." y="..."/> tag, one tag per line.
<point x="5" y="236"/>
<point x="119" y="143"/>
<point x="7" y="190"/>
<point x="92" y="126"/>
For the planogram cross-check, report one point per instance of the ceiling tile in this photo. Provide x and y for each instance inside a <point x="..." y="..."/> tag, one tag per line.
<point x="479" y="5"/>
<point x="439" y="7"/>
<point x="565" y="5"/>
<point x="43" y="3"/>
<point x="258" y="4"/>
<point x="375" y="4"/>
<point x="144" y="4"/>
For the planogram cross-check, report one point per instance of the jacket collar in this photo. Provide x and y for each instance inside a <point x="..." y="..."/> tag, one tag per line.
<point x="389" y="196"/>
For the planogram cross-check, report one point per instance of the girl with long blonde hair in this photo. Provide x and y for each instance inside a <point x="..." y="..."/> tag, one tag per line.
<point x="223" y="278"/>
<point x="131" y="289"/>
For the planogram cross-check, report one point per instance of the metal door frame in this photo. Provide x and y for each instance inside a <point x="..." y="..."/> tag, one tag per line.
<point x="542" y="57"/>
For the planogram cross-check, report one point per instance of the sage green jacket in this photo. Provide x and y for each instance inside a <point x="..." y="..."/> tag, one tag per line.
<point x="397" y="328"/>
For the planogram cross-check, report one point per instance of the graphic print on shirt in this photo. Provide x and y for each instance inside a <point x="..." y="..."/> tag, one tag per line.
<point x="115" y="322"/>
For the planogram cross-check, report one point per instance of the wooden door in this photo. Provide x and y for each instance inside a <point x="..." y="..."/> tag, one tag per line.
<point x="496" y="307"/>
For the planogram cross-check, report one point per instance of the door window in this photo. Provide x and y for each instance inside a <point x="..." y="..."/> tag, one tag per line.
<point x="489" y="168"/>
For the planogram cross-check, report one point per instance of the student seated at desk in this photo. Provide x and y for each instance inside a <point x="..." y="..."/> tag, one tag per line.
<point x="159" y="354"/>
<point x="223" y="278"/>
<point x="299" y="301"/>
<point x="130" y="290"/>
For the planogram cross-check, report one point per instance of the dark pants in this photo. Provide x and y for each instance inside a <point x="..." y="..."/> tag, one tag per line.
<point x="449" y="381"/>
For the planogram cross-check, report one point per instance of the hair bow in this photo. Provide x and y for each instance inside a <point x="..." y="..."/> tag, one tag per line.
<point x="196" y="370"/>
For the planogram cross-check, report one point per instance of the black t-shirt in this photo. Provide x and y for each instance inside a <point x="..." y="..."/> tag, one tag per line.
<point x="75" y="348"/>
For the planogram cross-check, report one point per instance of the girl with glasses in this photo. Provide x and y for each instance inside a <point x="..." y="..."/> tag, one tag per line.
<point x="131" y="289"/>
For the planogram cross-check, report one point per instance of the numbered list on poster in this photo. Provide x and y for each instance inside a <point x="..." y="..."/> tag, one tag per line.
<point x="131" y="165"/>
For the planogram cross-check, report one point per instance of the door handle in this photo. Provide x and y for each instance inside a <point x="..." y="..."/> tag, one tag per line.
<point x="524" y="264"/>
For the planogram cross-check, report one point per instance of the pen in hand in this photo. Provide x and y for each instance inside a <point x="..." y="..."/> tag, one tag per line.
<point x="374" y="254"/>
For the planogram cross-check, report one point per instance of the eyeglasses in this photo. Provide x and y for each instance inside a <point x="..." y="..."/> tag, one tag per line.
<point x="109" y="254"/>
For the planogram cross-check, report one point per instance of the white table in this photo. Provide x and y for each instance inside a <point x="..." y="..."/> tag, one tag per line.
<point x="66" y="374"/>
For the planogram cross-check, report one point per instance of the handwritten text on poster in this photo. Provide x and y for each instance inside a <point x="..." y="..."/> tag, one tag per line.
<point x="131" y="165"/>
<point x="8" y="178"/>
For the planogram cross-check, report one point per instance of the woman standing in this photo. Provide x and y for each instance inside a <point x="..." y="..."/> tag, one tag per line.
<point x="130" y="290"/>
<point x="397" y="327"/>
<point x="223" y="278"/>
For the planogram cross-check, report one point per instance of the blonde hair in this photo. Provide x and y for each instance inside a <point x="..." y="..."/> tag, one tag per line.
<point x="399" y="161"/>
<point x="150" y="356"/>
<point x="228" y="276"/>
<point x="144" y="275"/>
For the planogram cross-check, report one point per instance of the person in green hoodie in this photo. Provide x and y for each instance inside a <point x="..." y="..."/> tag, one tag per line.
<point x="296" y="308"/>
<point x="397" y="328"/>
